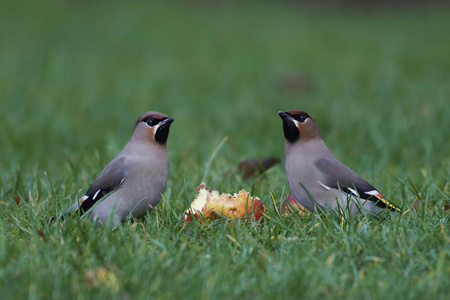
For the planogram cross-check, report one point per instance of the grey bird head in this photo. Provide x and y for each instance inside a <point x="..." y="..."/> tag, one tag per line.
<point x="153" y="126"/>
<point x="299" y="126"/>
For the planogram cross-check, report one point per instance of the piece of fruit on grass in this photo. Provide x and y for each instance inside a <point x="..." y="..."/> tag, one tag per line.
<point x="210" y="205"/>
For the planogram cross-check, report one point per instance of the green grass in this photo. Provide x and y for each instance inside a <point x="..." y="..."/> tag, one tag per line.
<point x="75" y="75"/>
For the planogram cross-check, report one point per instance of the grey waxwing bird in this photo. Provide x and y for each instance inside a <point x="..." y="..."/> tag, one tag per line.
<point x="316" y="177"/>
<point x="134" y="180"/>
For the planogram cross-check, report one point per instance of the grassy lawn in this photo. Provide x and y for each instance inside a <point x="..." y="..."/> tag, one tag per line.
<point x="75" y="75"/>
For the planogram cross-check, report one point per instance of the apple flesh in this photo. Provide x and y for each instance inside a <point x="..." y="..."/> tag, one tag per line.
<point x="209" y="204"/>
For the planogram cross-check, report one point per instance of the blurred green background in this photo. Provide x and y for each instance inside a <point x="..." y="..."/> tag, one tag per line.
<point x="75" y="75"/>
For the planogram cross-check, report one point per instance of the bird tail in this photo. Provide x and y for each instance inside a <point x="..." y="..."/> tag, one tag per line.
<point x="386" y="202"/>
<point x="72" y="211"/>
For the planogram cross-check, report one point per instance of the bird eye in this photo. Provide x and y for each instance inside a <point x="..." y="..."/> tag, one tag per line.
<point x="302" y="118"/>
<point x="151" y="121"/>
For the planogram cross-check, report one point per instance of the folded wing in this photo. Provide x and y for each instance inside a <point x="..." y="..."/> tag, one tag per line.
<point x="110" y="179"/>
<point x="338" y="176"/>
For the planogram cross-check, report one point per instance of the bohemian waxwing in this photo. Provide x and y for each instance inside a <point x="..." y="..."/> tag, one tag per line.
<point x="316" y="177"/>
<point x="134" y="180"/>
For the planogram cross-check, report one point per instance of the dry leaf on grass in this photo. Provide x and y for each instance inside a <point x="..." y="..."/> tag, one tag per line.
<point x="253" y="167"/>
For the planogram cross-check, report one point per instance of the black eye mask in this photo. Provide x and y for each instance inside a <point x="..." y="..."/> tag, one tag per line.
<point x="152" y="121"/>
<point x="301" y="117"/>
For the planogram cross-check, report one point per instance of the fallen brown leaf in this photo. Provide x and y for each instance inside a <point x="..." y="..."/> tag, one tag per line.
<point x="253" y="167"/>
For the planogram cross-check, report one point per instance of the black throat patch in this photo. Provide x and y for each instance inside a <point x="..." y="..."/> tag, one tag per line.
<point x="162" y="133"/>
<point x="291" y="132"/>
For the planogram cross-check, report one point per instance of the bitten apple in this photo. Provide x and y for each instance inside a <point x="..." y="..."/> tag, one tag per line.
<point x="209" y="205"/>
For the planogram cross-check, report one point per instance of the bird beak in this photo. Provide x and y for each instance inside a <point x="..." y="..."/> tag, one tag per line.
<point x="164" y="124"/>
<point x="169" y="120"/>
<point x="284" y="116"/>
